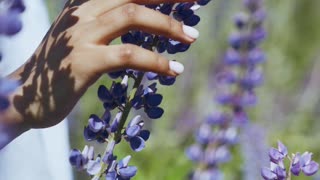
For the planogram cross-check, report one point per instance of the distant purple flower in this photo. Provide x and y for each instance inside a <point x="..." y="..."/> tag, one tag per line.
<point x="304" y="163"/>
<point x="277" y="155"/>
<point x="298" y="163"/>
<point x="10" y="11"/>
<point x="7" y="86"/>
<point x="236" y="82"/>
<point x="10" y="24"/>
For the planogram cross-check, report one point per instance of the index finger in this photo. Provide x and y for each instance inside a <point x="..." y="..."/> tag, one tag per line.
<point x="98" y="7"/>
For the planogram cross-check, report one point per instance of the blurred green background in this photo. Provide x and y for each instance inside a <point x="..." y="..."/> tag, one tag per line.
<point x="288" y="109"/>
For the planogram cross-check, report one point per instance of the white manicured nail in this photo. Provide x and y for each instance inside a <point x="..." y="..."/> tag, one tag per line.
<point x="176" y="67"/>
<point x="195" y="7"/>
<point x="190" y="31"/>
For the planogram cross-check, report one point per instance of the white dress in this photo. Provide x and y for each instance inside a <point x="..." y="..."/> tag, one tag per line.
<point x="36" y="154"/>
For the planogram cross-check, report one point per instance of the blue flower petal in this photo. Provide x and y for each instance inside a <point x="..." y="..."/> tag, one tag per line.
<point x="305" y="158"/>
<point x="116" y="74"/>
<point x="151" y="75"/>
<point x="94" y="166"/>
<point x="222" y="154"/>
<point x="275" y="155"/>
<point x="217" y="118"/>
<point x="153" y="87"/>
<point x="204" y="134"/>
<point x="117" y="90"/>
<point x="282" y="148"/>
<point x="137" y="102"/>
<point x="280" y="172"/>
<point x="106" y="117"/>
<point x="88" y="134"/>
<point x="104" y="94"/>
<point x="144" y="134"/>
<point x="135" y="121"/>
<point x="153" y="99"/>
<point x="137" y="143"/>
<point x="194" y="153"/>
<point x="111" y="175"/>
<point x="128" y="38"/>
<point x="4" y="103"/>
<point x="154" y="112"/>
<point x="162" y="46"/>
<point x="256" y="56"/>
<point x="75" y="154"/>
<point x="232" y="57"/>
<point x="310" y="169"/>
<point x="132" y="131"/>
<point x="295" y="165"/>
<point x="267" y="174"/>
<point x="166" y="8"/>
<point x="7" y="86"/>
<point x="123" y="163"/>
<point x="115" y="123"/>
<point x="167" y="80"/>
<point x="192" y="20"/>
<point x="95" y="123"/>
<point x="128" y="172"/>
<point x="11" y="22"/>
<point x="17" y="5"/>
<point x="203" y="2"/>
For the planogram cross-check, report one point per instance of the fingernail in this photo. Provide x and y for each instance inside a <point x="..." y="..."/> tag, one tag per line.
<point x="190" y="31"/>
<point x="195" y="7"/>
<point x="176" y="67"/>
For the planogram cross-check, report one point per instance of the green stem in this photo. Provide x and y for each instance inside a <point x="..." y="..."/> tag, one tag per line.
<point x="289" y="172"/>
<point x="127" y="109"/>
<point x="102" y="164"/>
<point x="122" y="122"/>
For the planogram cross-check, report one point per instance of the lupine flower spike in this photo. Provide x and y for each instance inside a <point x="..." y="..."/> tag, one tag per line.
<point x="236" y="82"/>
<point x="123" y="98"/>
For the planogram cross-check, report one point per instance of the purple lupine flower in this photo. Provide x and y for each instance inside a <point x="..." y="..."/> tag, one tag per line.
<point x="124" y="97"/>
<point x="121" y="170"/>
<point x="298" y="163"/>
<point x="10" y="24"/>
<point x="10" y="10"/>
<point x="275" y="155"/>
<point x="303" y="163"/>
<point x="113" y="97"/>
<point x="268" y="174"/>
<point x="275" y="172"/>
<point x="135" y="135"/>
<point x="97" y="128"/>
<point x="295" y="165"/>
<point x="149" y="100"/>
<point x="85" y="160"/>
<point x="236" y="83"/>
<point x="7" y="86"/>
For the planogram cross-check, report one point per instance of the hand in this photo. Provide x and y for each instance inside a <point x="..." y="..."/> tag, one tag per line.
<point x="76" y="52"/>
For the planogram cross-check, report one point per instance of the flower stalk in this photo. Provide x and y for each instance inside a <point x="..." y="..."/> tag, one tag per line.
<point x="140" y="96"/>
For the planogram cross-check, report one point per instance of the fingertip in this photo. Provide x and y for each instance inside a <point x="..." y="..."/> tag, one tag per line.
<point x="176" y="67"/>
<point x="190" y="32"/>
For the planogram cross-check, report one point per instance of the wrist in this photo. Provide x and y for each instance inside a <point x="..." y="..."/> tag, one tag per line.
<point x="12" y="123"/>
